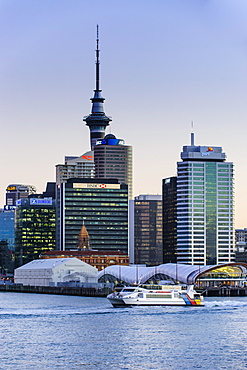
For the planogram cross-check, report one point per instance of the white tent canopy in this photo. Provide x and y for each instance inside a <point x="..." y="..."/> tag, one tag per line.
<point x="45" y="272"/>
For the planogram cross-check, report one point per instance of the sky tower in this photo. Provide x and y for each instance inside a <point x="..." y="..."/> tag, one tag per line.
<point x="97" y="120"/>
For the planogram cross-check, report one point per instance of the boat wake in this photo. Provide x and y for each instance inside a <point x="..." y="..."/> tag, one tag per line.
<point x="225" y="304"/>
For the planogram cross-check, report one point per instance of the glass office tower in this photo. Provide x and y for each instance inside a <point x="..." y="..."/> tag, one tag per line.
<point x="35" y="228"/>
<point x="205" y="208"/>
<point x="169" y="199"/>
<point x="102" y="205"/>
<point x="148" y="230"/>
<point x="7" y="226"/>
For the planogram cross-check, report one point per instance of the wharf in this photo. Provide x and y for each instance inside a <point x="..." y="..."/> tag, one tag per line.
<point x="223" y="291"/>
<point x="61" y="290"/>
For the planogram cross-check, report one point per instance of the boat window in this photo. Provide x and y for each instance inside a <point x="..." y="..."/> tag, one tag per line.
<point x="158" y="295"/>
<point x="140" y="295"/>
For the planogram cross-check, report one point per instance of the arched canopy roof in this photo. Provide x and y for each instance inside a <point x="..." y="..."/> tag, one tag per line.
<point x="186" y="274"/>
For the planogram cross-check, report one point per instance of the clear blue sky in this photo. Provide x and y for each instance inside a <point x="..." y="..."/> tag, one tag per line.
<point x="164" y="63"/>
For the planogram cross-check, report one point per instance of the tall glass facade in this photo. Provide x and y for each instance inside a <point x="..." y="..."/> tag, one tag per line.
<point x="169" y="198"/>
<point x="148" y="247"/>
<point x="103" y="207"/>
<point x="7" y="227"/>
<point x="35" y="229"/>
<point x="205" y="211"/>
<point x="205" y="206"/>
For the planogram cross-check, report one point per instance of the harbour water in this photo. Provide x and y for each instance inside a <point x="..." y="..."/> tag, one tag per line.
<point x="49" y="332"/>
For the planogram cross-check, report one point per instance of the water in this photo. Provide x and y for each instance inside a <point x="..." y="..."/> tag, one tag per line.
<point x="61" y="332"/>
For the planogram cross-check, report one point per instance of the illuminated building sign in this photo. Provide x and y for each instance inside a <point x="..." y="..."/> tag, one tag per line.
<point x="11" y="188"/>
<point x="41" y="202"/>
<point x="95" y="186"/>
<point x="110" y="142"/>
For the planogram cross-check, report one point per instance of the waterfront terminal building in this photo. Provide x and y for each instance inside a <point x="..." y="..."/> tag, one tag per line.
<point x="214" y="276"/>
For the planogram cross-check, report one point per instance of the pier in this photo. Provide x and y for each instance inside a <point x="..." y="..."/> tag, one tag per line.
<point x="61" y="290"/>
<point x="224" y="291"/>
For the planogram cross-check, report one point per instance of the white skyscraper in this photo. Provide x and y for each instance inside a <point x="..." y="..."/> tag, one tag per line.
<point x="80" y="167"/>
<point x="205" y="206"/>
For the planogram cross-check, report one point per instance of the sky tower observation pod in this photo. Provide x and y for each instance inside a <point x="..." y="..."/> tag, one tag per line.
<point x="231" y="274"/>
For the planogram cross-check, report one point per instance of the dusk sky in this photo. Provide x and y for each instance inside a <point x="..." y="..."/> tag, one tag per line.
<point x="164" y="63"/>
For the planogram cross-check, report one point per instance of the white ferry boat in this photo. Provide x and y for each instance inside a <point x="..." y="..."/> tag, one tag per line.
<point x="156" y="295"/>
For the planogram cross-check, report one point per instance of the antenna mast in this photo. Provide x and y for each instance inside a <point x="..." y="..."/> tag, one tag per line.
<point x="97" y="59"/>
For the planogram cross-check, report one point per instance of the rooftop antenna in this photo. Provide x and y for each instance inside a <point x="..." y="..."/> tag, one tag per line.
<point x="97" y="59"/>
<point x="192" y="134"/>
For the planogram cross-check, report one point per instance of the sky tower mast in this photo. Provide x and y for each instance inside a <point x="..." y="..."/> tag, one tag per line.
<point x="97" y="120"/>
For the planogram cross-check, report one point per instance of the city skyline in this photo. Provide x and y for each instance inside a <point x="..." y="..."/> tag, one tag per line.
<point x="163" y="65"/>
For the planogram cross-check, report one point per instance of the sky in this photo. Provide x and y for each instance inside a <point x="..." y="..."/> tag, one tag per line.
<point x="164" y="64"/>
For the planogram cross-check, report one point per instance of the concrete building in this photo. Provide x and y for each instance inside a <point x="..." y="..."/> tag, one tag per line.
<point x="113" y="159"/>
<point x="205" y="206"/>
<point x="80" y="167"/>
<point x="241" y="235"/>
<point x="102" y="205"/>
<point x="18" y="191"/>
<point x="35" y="228"/>
<point x="148" y="248"/>
<point x="50" y="272"/>
<point x="97" y="259"/>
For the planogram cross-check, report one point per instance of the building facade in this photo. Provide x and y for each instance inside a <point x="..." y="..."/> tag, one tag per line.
<point x="35" y="228"/>
<point x="18" y="191"/>
<point x="205" y="206"/>
<point x="102" y="205"/>
<point x="169" y="213"/>
<point x="241" y="235"/>
<point x="7" y="226"/>
<point x="148" y="230"/>
<point x="73" y="167"/>
<point x="113" y="159"/>
<point x="98" y="259"/>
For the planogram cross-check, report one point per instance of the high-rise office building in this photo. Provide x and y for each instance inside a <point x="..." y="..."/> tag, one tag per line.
<point x="102" y="205"/>
<point x="113" y="159"/>
<point x="18" y="191"/>
<point x="97" y="121"/>
<point x="169" y="199"/>
<point x="205" y="206"/>
<point x="35" y="228"/>
<point x="79" y="167"/>
<point x="7" y="226"/>
<point x="148" y="230"/>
